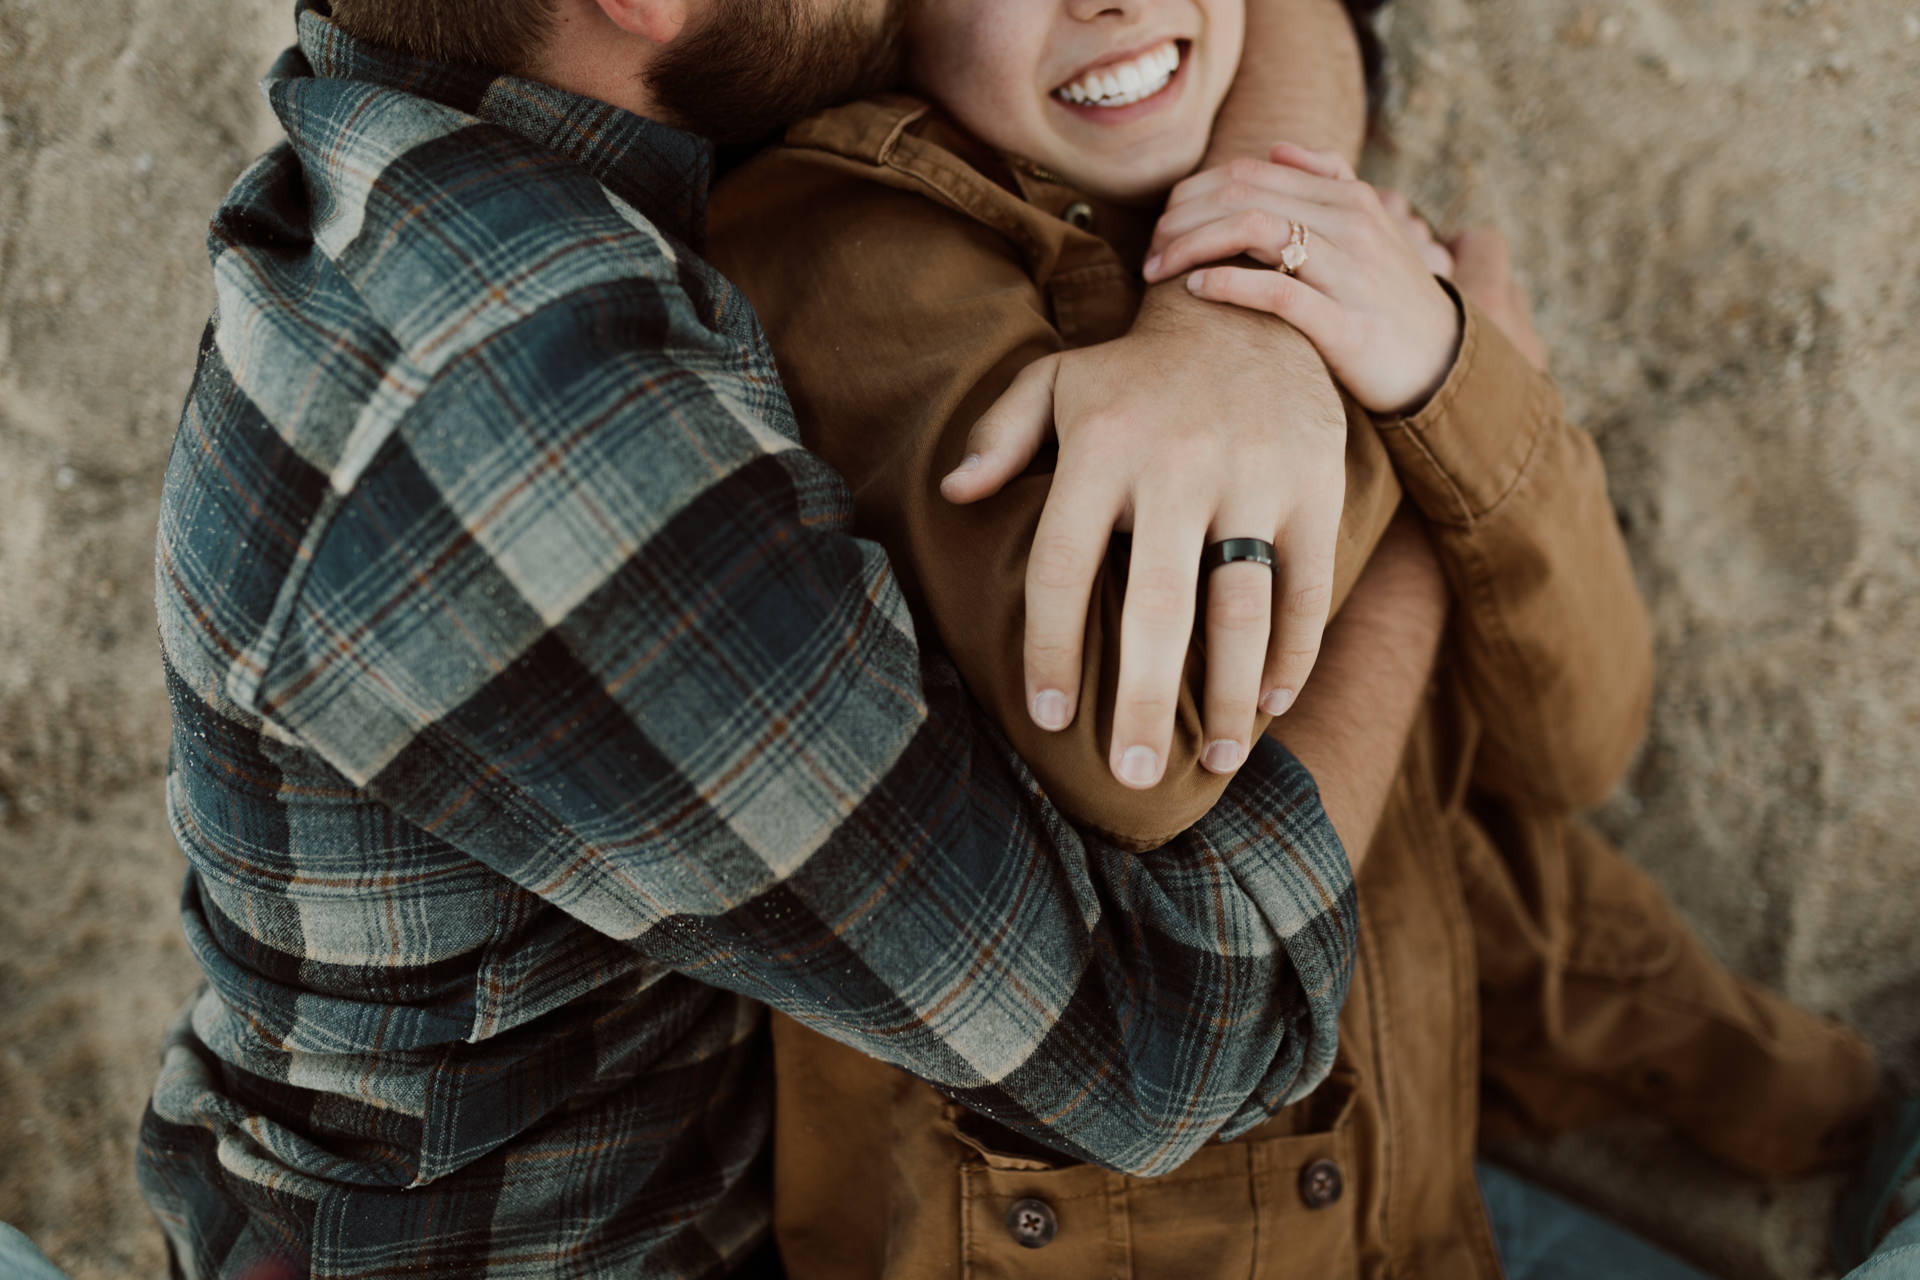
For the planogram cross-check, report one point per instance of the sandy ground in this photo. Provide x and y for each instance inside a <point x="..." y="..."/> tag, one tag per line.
<point x="1717" y="203"/>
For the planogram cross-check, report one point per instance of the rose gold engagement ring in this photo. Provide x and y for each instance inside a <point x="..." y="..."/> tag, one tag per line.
<point x="1294" y="255"/>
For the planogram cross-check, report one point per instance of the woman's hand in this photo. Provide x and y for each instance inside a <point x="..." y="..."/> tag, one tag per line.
<point x="1364" y="294"/>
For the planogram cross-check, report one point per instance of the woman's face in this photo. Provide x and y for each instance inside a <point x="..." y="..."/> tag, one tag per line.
<point x="1116" y="96"/>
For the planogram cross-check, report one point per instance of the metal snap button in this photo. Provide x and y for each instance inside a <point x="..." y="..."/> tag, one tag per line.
<point x="1079" y="214"/>
<point x="1031" y="1223"/>
<point x="1321" y="1184"/>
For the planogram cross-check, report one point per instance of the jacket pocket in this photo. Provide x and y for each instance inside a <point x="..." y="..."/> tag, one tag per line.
<point x="1275" y="1203"/>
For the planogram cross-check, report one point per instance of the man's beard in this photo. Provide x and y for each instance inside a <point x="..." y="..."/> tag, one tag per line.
<point x="756" y="66"/>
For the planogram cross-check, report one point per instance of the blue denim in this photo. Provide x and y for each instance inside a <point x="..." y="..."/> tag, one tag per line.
<point x="1543" y="1237"/>
<point x="20" y="1260"/>
<point x="1897" y="1258"/>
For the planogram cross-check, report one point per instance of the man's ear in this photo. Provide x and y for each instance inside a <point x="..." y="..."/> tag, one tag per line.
<point x="656" y="21"/>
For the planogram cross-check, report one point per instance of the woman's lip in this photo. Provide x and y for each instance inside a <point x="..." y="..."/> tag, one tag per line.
<point x="1133" y="110"/>
<point x="1114" y="60"/>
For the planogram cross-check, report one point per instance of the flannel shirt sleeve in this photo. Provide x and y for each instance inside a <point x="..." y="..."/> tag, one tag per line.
<point x="589" y="615"/>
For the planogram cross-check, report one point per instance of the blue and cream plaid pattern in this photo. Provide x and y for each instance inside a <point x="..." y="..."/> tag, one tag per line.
<point x="537" y="723"/>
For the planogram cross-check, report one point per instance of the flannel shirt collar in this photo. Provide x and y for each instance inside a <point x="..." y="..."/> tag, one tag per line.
<point x="663" y="172"/>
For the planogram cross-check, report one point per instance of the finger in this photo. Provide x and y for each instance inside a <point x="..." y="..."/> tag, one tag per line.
<point x="1482" y="259"/>
<point x="1276" y="293"/>
<point x="1069" y="546"/>
<point x="1156" y="628"/>
<point x="1006" y="437"/>
<point x="1264" y="235"/>
<point x="1405" y="219"/>
<point x="1246" y="183"/>
<point x="1304" y="590"/>
<point x="1435" y="258"/>
<point x="1328" y="164"/>
<point x="1254" y="203"/>
<point x="1239" y="615"/>
<point x="1258" y="233"/>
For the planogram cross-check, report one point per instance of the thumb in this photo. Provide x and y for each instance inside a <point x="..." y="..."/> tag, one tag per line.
<point x="1007" y="436"/>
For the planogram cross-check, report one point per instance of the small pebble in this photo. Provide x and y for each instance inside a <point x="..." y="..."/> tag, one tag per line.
<point x="143" y="164"/>
<point x="65" y="478"/>
<point x="1912" y="24"/>
<point x="1609" y="29"/>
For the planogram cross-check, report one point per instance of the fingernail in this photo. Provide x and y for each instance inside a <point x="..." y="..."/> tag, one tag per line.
<point x="1196" y="280"/>
<point x="1277" y="702"/>
<point x="1050" y="709"/>
<point x="969" y="463"/>
<point x="1223" y="755"/>
<point x="1140" y="767"/>
<point x="1153" y="265"/>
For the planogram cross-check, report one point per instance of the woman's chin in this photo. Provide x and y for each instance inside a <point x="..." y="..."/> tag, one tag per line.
<point x="1136" y="179"/>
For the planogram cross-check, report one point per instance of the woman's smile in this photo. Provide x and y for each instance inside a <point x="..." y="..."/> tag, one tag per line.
<point x="1103" y="91"/>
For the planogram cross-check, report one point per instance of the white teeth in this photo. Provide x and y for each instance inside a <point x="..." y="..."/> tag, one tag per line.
<point x="1127" y="83"/>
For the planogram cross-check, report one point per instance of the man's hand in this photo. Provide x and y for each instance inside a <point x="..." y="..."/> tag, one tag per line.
<point x="1202" y="423"/>
<point x="1199" y="425"/>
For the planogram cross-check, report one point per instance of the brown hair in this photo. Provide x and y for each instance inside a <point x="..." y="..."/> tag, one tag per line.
<point x="504" y="35"/>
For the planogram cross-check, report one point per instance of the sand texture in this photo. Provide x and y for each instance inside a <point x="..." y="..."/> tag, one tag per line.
<point x="1717" y="206"/>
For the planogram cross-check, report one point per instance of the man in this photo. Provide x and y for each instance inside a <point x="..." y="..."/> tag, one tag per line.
<point x="537" y="724"/>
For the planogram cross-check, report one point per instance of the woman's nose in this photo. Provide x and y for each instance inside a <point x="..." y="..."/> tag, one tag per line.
<point x="1090" y="10"/>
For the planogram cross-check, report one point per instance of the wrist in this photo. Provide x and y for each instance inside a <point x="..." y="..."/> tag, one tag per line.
<point x="1171" y="309"/>
<point x="1440" y="368"/>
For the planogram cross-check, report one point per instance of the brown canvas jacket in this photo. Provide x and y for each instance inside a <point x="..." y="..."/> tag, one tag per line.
<point x="905" y="274"/>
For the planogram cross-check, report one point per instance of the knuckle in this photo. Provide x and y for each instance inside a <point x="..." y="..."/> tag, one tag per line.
<point x="1245" y="170"/>
<point x="1238" y="603"/>
<point x="1054" y="563"/>
<point x="1308" y="602"/>
<point x="1050" y="653"/>
<point x="1292" y="663"/>
<point x="1143" y="707"/>
<point x="1156" y="599"/>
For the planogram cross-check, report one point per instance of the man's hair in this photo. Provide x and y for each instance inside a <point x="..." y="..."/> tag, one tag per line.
<point x="504" y="35"/>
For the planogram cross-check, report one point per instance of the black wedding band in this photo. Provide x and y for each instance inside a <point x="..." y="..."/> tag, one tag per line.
<point x="1234" y="550"/>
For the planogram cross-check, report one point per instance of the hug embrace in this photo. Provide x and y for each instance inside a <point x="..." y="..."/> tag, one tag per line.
<point x="1005" y="691"/>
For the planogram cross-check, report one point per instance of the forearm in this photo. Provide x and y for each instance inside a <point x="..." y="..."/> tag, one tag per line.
<point x="1300" y="80"/>
<point x="1351" y="723"/>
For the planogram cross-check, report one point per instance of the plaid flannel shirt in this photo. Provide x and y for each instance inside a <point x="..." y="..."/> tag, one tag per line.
<point x="537" y="723"/>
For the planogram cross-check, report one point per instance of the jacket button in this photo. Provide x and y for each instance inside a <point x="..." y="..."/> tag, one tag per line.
<point x="1031" y="1223"/>
<point x="1079" y="214"/>
<point x="1321" y="1184"/>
